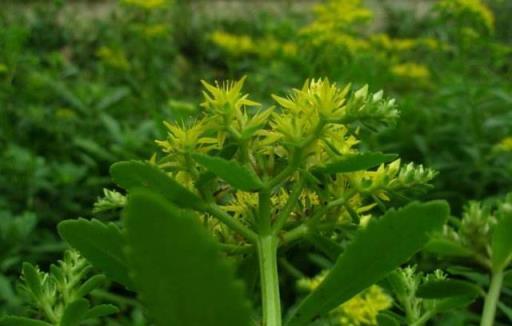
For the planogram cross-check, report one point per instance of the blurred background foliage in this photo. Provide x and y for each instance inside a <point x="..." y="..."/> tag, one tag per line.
<point x="84" y="84"/>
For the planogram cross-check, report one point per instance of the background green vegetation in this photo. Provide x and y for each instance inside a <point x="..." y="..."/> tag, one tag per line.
<point x="86" y="84"/>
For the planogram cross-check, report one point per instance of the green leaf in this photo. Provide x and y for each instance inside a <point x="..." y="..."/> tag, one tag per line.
<point x="74" y="313"/>
<point x="178" y="268"/>
<point x="453" y="303"/>
<point x="387" y="320"/>
<point x="357" y="162"/>
<point x="507" y="278"/>
<point x="131" y="175"/>
<point x="22" y="321"/>
<point x="506" y="310"/>
<point x="375" y="252"/>
<point x="239" y="176"/>
<point x="101" y="244"/>
<point x="446" y="289"/>
<point x="32" y="279"/>
<point x="101" y="311"/>
<point x="502" y="243"/>
<point x="445" y="247"/>
<point x="94" y="282"/>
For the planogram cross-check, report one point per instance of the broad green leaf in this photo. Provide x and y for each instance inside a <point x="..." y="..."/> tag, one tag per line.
<point x="178" y="268"/>
<point x="101" y="244"/>
<point x="447" y="288"/>
<point x="74" y="313"/>
<point x="502" y="243"/>
<point x="133" y="174"/>
<point x="357" y="162"/>
<point x="22" y="321"/>
<point x="237" y="175"/>
<point x="376" y="251"/>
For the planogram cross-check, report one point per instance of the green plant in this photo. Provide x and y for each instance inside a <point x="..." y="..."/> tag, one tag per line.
<point x="481" y="237"/>
<point x="242" y="181"/>
<point x="59" y="297"/>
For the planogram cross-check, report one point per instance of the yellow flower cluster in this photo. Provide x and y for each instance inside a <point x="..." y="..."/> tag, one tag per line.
<point x="155" y="30"/>
<point x="398" y="45"/>
<point x="336" y="16"/>
<point x="505" y="145"/>
<point x="240" y="45"/>
<point x="113" y="57"/>
<point x="310" y="130"/>
<point x="468" y="11"/>
<point x="146" y="4"/>
<point x="185" y="139"/>
<point x="411" y="71"/>
<point x="360" y="310"/>
<point x="335" y="23"/>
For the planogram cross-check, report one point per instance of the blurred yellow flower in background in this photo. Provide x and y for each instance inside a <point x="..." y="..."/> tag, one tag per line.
<point x="155" y="30"/>
<point x="411" y="71"/>
<point x="468" y="12"/>
<point x="239" y="45"/>
<point x="505" y="145"/>
<point x="146" y="4"/>
<point x="113" y="57"/>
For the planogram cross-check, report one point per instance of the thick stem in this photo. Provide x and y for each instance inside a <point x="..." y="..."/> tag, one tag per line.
<point x="491" y="300"/>
<point x="267" y="255"/>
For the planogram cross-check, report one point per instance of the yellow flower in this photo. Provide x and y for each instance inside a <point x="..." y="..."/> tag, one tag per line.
<point x="65" y="113"/>
<point x="335" y="24"/>
<point x="234" y="44"/>
<point x="228" y="106"/>
<point x="182" y="140"/>
<point x="146" y="4"/>
<point x="336" y="15"/>
<point x="468" y="12"/>
<point x="114" y="58"/>
<point x="239" y="45"/>
<point x="364" y="308"/>
<point x="156" y="30"/>
<point x="505" y="145"/>
<point x="361" y="309"/>
<point x="243" y="204"/>
<point x="3" y="68"/>
<point x="411" y="71"/>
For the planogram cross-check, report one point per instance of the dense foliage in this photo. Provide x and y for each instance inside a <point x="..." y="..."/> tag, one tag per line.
<point x="314" y="201"/>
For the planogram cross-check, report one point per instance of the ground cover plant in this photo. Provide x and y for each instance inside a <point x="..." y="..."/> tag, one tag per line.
<point x="323" y="204"/>
<point x="241" y="183"/>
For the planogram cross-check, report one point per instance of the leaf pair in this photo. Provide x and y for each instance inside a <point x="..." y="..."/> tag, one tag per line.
<point x="177" y="268"/>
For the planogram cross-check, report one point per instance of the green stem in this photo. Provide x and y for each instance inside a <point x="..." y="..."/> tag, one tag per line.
<point x="295" y="233"/>
<point x="424" y="319"/>
<point x="291" y="203"/>
<point x="267" y="255"/>
<point x="491" y="300"/>
<point x="265" y="212"/>
<point x="232" y="223"/>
